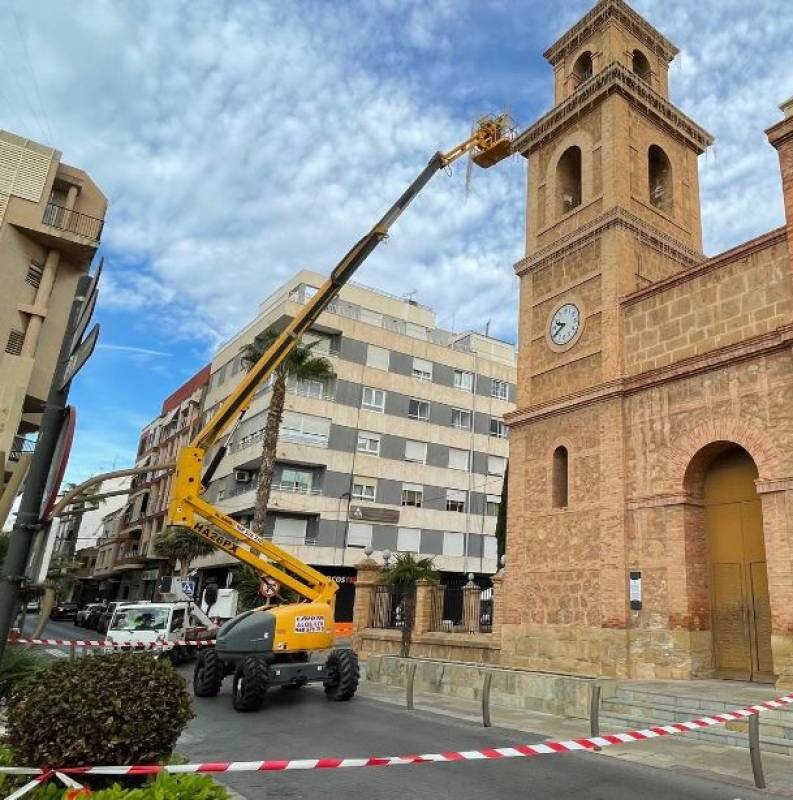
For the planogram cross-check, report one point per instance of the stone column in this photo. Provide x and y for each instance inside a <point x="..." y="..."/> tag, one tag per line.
<point x="776" y="497"/>
<point x="498" y="601"/>
<point x="367" y="578"/>
<point x="426" y="593"/>
<point x="471" y="595"/>
<point x="781" y="137"/>
<point x="71" y="199"/>
<point x="36" y="320"/>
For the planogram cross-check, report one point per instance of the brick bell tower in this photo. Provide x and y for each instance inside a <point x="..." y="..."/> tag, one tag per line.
<point x="612" y="205"/>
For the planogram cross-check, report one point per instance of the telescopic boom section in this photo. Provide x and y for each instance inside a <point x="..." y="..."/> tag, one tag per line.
<point x="489" y="144"/>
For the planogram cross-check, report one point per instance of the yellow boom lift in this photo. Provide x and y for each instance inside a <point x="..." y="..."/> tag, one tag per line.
<point x="271" y="646"/>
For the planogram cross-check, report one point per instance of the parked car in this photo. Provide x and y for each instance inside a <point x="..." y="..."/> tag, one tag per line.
<point x="103" y="623"/>
<point x="148" y="623"/>
<point x="95" y="611"/>
<point x="33" y="607"/>
<point x="66" y="610"/>
<point x="84" y="614"/>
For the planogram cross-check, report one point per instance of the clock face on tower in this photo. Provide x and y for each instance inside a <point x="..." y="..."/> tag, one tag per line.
<point x="565" y="324"/>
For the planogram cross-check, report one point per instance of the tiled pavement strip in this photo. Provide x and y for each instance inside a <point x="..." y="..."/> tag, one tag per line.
<point x="678" y="753"/>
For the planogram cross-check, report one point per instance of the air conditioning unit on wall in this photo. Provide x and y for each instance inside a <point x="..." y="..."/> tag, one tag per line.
<point x="242" y="476"/>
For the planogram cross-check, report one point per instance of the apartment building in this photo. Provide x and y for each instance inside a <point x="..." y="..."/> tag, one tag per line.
<point x="51" y="219"/>
<point x="124" y="564"/>
<point x="404" y="450"/>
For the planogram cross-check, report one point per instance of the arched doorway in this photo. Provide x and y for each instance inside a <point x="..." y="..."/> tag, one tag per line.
<point x="740" y="610"/>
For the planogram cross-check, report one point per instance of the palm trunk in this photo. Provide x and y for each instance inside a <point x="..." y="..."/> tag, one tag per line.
<point x="274" y="415"/>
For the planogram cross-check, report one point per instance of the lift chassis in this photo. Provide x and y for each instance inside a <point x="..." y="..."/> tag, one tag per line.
<point x="271" y="646"/>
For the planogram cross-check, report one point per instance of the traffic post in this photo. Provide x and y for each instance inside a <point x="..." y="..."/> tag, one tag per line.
<point x="42" y="485"/>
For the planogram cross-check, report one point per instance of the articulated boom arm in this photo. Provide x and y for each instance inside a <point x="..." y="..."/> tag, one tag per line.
<point x="490" y="142"/>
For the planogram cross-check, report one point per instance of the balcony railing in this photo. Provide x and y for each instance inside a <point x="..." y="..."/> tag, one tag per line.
<point x="73" y="221"/>
<point x="292" y="488"/>
<point x="21" y="445"/>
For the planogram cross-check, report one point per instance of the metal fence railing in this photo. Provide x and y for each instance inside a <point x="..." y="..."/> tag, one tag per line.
<point x="460" y="608"/>
<point x="392" y="606"/>
<point x="68" y="219"/>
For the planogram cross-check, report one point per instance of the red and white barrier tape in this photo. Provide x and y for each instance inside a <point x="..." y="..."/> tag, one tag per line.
<point x="110" y="643"/>
<point x="516" y="751"/>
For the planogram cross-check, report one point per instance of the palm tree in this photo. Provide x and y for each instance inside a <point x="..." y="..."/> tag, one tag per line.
<point x="302" y="365"/>
<point x="182" y="545"/>
<point x="405" y="572"/>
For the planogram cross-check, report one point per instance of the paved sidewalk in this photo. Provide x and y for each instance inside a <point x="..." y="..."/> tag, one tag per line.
<point x="678" y="753"/>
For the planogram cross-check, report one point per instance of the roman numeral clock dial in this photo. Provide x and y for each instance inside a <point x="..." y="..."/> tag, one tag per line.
<point x="565" y="325"/>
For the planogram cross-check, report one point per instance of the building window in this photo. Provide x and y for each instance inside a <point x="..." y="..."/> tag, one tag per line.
<point x="499" y="389"/>
<point x="582" y="69"/>
<point x="453" y="543"/>
<point x="416" y="331"/>
<point x="660" y="175"/>
<point x="560" y="477"/>
<point x="368" y="443"/>
<point x="568" y="179"/>
<point x="455" y="500"/>
<point x="35" y="271"/>
<point x="641" y="66"/>
<point x="378" y="357"/>
<point x="418" y="409"/>
<point x="463" y="380"/>
<point x="422" y="370"/>
<point x="296" y="480"/>
<point x="461" y="419"/>
<point x="496" y="465"/>
<point x="373" y="399"/>
<point x="15" y="341"/>
<point x="290" y="530"/>
<point x="364" y="489"/>
<point x="310" y="388"/>
<point x="370" y="317"/>
<point x="304" y="429"/>
<point x="408" y="540"/>
<point x="359" y="534"/>
<point x="492" y="505"/>
<point x="415" y="451"/>
<point x="498" y="428"/>
<point x="458" y="459"/>
<point x="412" y="495"/>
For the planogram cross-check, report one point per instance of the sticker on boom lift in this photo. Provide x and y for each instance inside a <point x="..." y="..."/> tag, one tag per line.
<point x="312" y="624"/>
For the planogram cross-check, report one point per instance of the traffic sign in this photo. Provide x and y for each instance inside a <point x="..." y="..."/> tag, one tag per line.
<point x="80" y="356"/>
<point x="87" y="311"/>
<point x="269" y="587"/>
<point x="188" y="589"/>
<point x="59" y="461"/>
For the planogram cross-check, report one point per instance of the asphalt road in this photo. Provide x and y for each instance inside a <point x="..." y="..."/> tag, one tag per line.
<point x="304" y="725"/>
<point x="58" y="630"/>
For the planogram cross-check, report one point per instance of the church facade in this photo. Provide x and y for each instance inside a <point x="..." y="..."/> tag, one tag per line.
<point x="650" y="524"/>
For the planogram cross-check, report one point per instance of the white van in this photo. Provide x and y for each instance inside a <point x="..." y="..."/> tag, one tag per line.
<point x="153" y="623"/>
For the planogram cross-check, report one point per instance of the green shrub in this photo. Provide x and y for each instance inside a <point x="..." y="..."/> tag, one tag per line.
<point x="168" y="787"/>
<point x="17" y="665"/>
<point x="122" y="708"/>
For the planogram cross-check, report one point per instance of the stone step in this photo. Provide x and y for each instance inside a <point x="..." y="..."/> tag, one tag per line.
<point x="682" y="708"/>
<point x="616" y="716"/>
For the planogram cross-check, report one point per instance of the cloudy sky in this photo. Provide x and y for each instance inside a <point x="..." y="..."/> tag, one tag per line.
<point x="239" y="141"/>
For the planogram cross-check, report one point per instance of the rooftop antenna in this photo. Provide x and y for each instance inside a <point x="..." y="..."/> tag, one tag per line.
<point x="487" y="328"/>
<point x="411" y="296"/>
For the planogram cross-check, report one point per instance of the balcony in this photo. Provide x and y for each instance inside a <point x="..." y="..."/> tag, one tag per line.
<point x="73" y="221"/>
<point x="21" y="445"/>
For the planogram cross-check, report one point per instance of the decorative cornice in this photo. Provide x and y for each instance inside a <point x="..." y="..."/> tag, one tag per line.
<point x="598" y="17"/>
<point x="615" y="77"/>
<point x="781" y="132"/>
<point x="742" y="251"/>
<point x="764" y="344"/>
<point x="619" y="217"/>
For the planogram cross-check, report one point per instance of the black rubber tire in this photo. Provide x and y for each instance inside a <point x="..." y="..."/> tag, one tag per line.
<point x="208" y="674"/>
<point x="293" y="687"/>
<point x="343" y="675"/>
<point x="250" y="684"/>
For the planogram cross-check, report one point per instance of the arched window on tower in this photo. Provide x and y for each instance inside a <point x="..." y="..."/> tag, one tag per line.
<point x="568" y="179"/>
<point x="560" y="478"/>
<point x="660" y="177"/>
<point x="641" y="66"/>
<point x="582" y="69"/>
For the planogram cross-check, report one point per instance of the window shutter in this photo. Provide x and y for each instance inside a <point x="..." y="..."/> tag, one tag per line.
<point x="415" y="451"/>
<point x="408" y="540"/>
<point x="458" y="459"/>
<point x="377" y="357"/>
<point x="453" y="544"/>
<point x="359" y="534"/>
